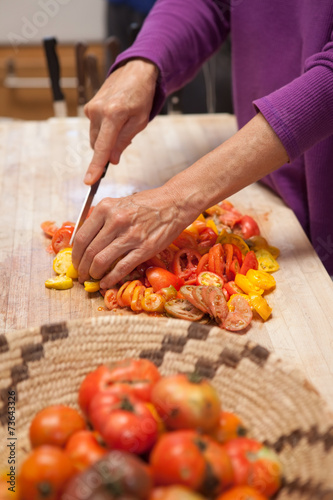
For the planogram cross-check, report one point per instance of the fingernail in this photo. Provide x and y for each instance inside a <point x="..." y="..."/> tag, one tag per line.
<point x="88" y="178"/>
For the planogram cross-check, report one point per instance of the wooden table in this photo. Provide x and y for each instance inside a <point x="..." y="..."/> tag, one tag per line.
<point x="41" y="169"/>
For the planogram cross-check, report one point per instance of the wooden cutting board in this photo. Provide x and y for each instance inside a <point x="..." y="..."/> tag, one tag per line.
<point x="42" y="165"/>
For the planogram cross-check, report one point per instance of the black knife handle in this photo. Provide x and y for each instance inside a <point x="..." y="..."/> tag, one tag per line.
<point x="54" y="68"/>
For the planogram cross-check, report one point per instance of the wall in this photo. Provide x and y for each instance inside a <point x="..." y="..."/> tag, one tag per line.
<point x="24" y="22"/>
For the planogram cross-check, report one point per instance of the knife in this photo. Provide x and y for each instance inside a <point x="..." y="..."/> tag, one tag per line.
<point x="87" y="204"/>
<point x="59" y="103"/>
<point x="91" y="69"/>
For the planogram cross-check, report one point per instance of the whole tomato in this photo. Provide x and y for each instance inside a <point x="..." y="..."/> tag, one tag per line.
<point x="118" y="475"/>
<point x="242" y="493"/>
<point x="230" y="426"/>
<point x="254" y="465"/>
<point x="84" y="449"/>
<point x="187" y="402"/>
<point x="124" y="422"/>
<point x="54" y="425"/>
<point x="45" y="473"/>
<point x="174" y="493"/>
<point x="192" y="460"/>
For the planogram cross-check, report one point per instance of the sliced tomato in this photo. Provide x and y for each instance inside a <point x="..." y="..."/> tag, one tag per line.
<point x="168" y="293"/>
<point x="188" y="293"/>
<point x="250" y="262"/>
<point x="232" y="288"/>
<point x="137" y="297"/>
<point x="185" y="264"/>
<point x="206" y="239"/>
<point x="183" y="309"/>
<point x="62" y="237"/>
<point x="216" y="259"/>
<point x="240" y="317"/>
<point x="167" y="255"/>
<point x="249" y="227"/>
<point x="237" y="253"/>
<point x="120" y="294"/>
<point x="128" y="292"/>
<point x="162" y="278"/>
<point x="217" y="304"/>
<point x="203" y="263"/>
<point x="198" y="297"/>
<point x="228" y="252"/>
<point x="49" y="227"/>
<point x="230" y="218"/>
<point x="186" y="239"/>
<point x="110" y="298"/>
<point x="152" y="302"/>
<point x="234" y="267"/>
<point x="207" y="278"/>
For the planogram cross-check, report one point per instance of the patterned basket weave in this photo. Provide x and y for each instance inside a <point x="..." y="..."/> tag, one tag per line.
<point x="46" y="366"/>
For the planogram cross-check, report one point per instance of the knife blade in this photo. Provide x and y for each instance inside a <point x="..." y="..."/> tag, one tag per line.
<point x="87" y="204"/>
<point x="59" y="103"/>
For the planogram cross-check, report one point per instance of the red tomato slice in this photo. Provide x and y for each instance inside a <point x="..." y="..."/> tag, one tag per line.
<point x="185" y="264"/>
<point x="207" y="238"/>
<point x="161" y="278"/>
<point x="217" y="304"/>
<point x="198" y="298"/>
<point x="185" y="240"/>
<point x="228" y="251"/>
<point x="240" y="317"/>
<point x="62" y="238"/>
<point x="232" y="288"/>
<point x="207" y="278"/>
<point x="216" y="259"/>
<point x="249" y="227"/>
<point x="203" y="263"/>
<point x="250" y="262"/>
<point x="49" y="227"/>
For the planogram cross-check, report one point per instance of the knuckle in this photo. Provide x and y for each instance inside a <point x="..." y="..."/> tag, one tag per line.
<point x="100" y="261"/>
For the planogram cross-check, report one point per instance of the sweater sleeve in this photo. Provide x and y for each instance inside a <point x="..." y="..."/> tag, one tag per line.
<point x="178" y="36"/>
<point x="301" y="112"/>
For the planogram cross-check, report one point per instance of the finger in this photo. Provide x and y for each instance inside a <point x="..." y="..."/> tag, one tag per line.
<point x="132" y="127"/>
<point x="124" y="267"/>
<point x="85" y="235"/>
<point x="105" y="141"/>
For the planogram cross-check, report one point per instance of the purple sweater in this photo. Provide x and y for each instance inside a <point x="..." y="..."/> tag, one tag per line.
<point x="282" y="56"/>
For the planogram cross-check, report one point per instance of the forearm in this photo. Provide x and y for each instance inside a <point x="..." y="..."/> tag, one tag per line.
<point x="250" y="154"/>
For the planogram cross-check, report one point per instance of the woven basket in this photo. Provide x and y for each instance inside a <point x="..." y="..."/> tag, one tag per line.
<point x="281" y="408"/>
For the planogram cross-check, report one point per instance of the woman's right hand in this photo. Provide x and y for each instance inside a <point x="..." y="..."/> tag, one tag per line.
<point x="118" y="111"/>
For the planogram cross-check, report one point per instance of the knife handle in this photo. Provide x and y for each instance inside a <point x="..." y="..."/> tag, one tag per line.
<point x="80" y="50"/>
<point x="91" y="68"/>
<point x="54" y="68"/>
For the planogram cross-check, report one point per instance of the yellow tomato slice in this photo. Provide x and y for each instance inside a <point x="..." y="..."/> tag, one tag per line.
<point x="62" y="261"/>
<point x="61" y="282"/>
<point x="261" y="279"/>
<point x="72" y="272"/>
<point x="225" y="237"/>
<point x="210" y="223"/>
<point x="245" y="284"/>
<point x="91" y="286"/>
<point x="266" y="261"/>
<point x="260" y="305"/>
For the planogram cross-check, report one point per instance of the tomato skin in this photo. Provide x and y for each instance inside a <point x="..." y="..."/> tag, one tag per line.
<point x="249" y="227"/>
<point x="242" y="493"/>
<point x="230" y="426"/>
<point x="162" y="278"/>
<point x="94" y="382"/>
<point x="117" y="476"/>
<point x="174" y="493"/>
<point x="54" y="425"/>
<point x="250" y="262"/>
<point x="45" y="473"/>
<point x="255" y="465"/>
<point x="186" y="403"/>
<point x="84" y="450"/>
<point x="124" y="422"/>
<point x="140" y="374"/>
<point x="176" y="459"/>
<point x="61" y="238"/>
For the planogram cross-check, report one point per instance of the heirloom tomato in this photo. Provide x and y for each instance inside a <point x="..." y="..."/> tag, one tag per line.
<point x="161" y="278"/>
<point x="186" y="402"/>
<point x="255" y="465"/>
<point x="54" y="425"/>
<point x="183" y="309"/>
<point x="208" y="278"/>
<point x="249" y="227"/>
<point x="45" y="473"/>
<point x="84" y="449"/>
<point x="230" y="426"/>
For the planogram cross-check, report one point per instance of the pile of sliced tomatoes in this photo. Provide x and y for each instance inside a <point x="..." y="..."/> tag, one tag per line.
<point x="219" y="268"/>
<point x="143" y="436"/>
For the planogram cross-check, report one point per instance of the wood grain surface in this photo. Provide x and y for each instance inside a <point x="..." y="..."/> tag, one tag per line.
<point x="42" y="165"/>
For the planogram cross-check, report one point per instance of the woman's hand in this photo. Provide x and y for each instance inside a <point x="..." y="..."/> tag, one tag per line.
<point x="119" y="110"/>
<point x="135" y="227"/>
